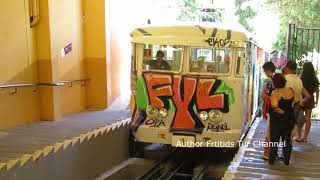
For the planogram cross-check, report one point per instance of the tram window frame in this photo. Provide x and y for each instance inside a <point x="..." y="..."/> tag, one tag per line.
<point x="214" y="51"/>
<point x="153" y="57"/>
<point x="240" y="62"/>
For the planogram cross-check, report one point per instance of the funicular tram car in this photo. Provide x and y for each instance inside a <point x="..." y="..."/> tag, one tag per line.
<point x="193" y="85"/>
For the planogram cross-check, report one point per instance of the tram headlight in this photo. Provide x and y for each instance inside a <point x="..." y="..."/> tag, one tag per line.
<point x="152" y="111"/>
<point x="163" y="113"/>
<point x="214" y="115"/>
<point x="203" y="115"/>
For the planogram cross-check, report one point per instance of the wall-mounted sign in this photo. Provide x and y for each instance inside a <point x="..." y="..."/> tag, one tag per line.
<point x="66" y="50"/>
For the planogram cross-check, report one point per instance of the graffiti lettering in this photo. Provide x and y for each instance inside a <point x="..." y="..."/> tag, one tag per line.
<point x="183" y="119"/>
<point x="217" y="127"/>
<point x="189" y="96"/>
<point x="158" y="85"/>
<point x="215" y="42"/>
<point x="155" y="122"/>
<point x="204" y="100"/>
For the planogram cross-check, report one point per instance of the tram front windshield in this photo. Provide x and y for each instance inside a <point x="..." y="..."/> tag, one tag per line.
<point x="162" y="57"/>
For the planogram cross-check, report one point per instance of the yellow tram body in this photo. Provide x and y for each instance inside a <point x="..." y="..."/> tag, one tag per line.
<point x="193" y="85"/>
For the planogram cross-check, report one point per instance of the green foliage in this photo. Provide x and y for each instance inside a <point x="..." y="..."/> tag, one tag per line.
<point x="280" y="43"/>
<point x="244" y="14"/>
<point x="303" y="13"/>
<point x="189" y="12"/>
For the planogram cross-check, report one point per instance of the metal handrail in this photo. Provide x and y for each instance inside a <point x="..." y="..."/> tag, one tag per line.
<point x="78" y="80"/>
<point x="29" y="85"/>
<point x="16" y="85"/>
<point x="75" y="81"/>
<point x="59" y="83"/>
<point x="51" y="84"/>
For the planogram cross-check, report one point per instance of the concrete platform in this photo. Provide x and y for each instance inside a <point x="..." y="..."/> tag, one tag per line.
<point x="304" y="163"/>
<point x="79" y="146"/>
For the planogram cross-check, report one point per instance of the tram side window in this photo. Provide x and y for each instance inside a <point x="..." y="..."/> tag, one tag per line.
<point x="240" y="62"/>
<point x="210" y="60"/>
<point x="161" y="57"/>
<point x="199" y="58"/>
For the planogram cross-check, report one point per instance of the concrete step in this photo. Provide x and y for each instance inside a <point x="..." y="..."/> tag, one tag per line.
<point x="293" y="162"/>
<point x="309" y="168"/>
<point x="274" y="170"/>
<point x="249" y="175"/>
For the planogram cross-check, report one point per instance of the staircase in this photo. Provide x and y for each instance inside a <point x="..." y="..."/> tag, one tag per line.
<point x="304" y="163"/>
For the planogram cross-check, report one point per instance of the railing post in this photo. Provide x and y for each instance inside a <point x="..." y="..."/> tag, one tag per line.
<point x="288" y="43"/>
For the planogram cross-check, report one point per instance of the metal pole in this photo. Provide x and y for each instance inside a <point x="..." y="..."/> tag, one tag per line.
<point x="318" y="49"/>
<point x="288" y="41"/>
<point x="307" y="40"/>
<point x="301" y="48"/>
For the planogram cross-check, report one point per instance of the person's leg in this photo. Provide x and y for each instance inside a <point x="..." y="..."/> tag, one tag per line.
<point x="308" y="125"/>
<point x="274" y="137"/>
<point x="285" y="134"/>
<point x="298" y="137"/>
<point x="266" y="152"/>
<point x="299" y="118"/>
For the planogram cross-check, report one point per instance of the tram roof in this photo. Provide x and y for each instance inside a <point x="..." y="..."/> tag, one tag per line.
<point x="184" y="34"/>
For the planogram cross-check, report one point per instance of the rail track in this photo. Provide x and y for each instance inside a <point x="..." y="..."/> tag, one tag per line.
<point x="187" y="164"/>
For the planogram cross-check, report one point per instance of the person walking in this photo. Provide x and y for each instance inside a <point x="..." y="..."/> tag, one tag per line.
<point x="269" y="69"/>
<point x="311" y="84"/>
<point x="281" y="118"/>
<point x="294" y="82"/>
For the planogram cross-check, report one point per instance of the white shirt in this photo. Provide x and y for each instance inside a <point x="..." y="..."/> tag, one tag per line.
<point x="294" y="82"/>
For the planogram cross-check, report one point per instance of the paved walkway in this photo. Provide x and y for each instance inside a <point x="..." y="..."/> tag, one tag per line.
<point x="24" y="143"/>
<point x="304" y="163"/>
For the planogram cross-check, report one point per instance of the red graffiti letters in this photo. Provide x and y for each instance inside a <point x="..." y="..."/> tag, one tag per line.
<point x="183" y="119"/>
<point x="204" y="100"/>
<point x="186" y="92"/>
<point x="158" y="85"/>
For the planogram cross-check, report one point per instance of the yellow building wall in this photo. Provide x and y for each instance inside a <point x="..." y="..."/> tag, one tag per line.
<point x="33" y="55"/>
<point x="64" y="30"/>
<point x="47" y="69"/>
<point x="17" y="65"/>
<point x="94" y="39"/>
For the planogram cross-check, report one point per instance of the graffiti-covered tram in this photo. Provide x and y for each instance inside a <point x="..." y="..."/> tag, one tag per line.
<point x="193" y="85"/>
